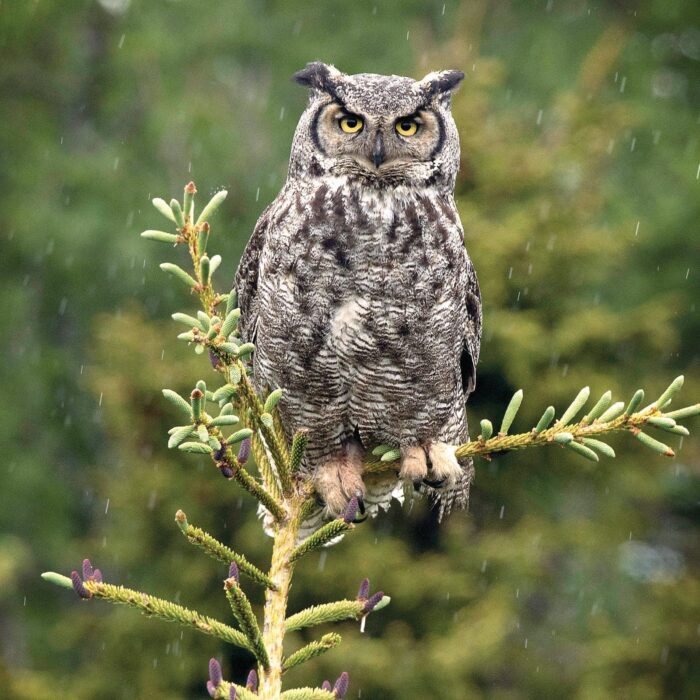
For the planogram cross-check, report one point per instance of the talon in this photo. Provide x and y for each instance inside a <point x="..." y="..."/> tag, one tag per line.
<point x="360" y="519"/>
<point x="434" y="483"/>
<point x="360" y="504"/>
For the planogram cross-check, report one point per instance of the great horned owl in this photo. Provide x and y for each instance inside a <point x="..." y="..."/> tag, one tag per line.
<point x="357" y="290"/>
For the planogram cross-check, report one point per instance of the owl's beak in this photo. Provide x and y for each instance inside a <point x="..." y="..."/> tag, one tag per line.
<point x="378" y="153"/>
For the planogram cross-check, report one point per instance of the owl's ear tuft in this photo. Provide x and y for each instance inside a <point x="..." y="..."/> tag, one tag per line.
<point x="442" y="83"/>
<point x="318" y="76"/>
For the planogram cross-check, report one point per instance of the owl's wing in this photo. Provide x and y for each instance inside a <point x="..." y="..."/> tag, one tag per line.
<point x="246" y="282"/>
<point x="472" y="331"/>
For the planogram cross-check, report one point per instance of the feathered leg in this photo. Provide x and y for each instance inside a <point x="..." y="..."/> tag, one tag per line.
<point x="339" y="478"/>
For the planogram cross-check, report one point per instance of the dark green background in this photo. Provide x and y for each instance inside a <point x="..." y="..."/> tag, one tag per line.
<point x="579" y="194"/>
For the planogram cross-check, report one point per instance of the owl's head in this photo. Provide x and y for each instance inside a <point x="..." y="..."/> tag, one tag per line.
<point x="383" y="130"/>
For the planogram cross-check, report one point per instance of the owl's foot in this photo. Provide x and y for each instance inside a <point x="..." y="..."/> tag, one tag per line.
<point x="414" y="466"/>
<point x="444" y="468"/>
<point x="339" y="479"/>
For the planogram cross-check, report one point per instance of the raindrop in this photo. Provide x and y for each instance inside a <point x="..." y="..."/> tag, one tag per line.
<point x="623" y="83"/>
<point x="107" y="506"/>
<point x="636" y="230"/>
<point x="322" y="560"/>
<point x="62" y="306"/>
<point x="121" y="41"/>
<point x="503" y="510"/>
<point x="115" y="7"/>
<point x="539" y="117"/>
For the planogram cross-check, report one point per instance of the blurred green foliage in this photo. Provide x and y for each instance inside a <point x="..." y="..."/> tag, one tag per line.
<point x="579" y="197"/>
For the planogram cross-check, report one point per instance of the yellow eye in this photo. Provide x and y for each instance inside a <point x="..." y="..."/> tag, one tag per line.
<point x="351" y="124"/>
<point x="406" y="127"/>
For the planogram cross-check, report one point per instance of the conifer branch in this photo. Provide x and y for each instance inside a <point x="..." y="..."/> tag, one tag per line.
<point x="166" y="610"/>
<point x="311" y="651"/>
<point x="255" y="489"/>
<point x="327" y="612"/>
<point x="299" y="442"/>
<point x="219" y="551"/>
<point x="265" y="466"/>
<point x="308" y="694"/>
<point x="243" y="612"/>
<point x="325" y="534"/>
<point x="580" y="437"/>
<point x="227" y="690"/>
<point x="277" y="446"/>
